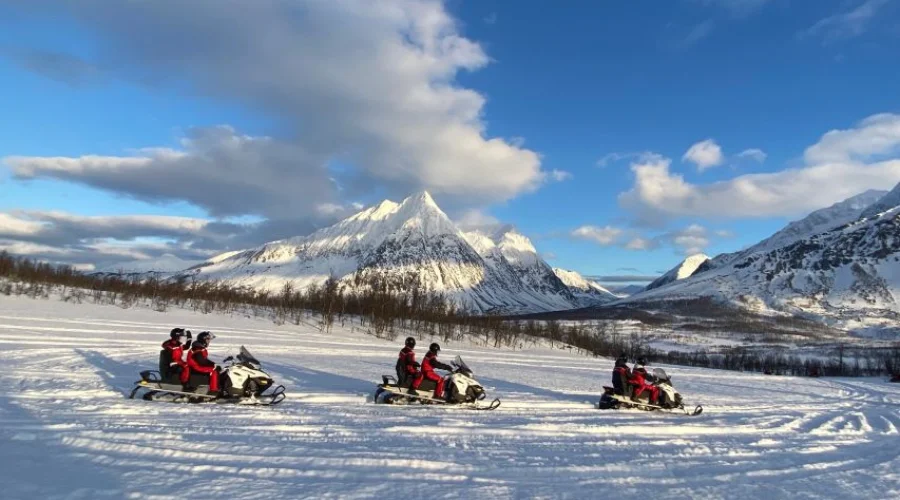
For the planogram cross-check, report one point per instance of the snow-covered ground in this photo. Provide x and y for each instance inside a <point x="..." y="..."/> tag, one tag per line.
<point x="68" y="431"/>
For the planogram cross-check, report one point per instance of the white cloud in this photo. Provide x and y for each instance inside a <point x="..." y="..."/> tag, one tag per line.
<point x="560" y="175"/>
<point x="639" y="243"/>
<point x="834" y="171"/>
<point x="611" y="158"/>
<point x="691" y="240"/>
<point x="846" y="25"/>
<point x="604" y="236"/>
<point x="877" y="135"/>
<point x="754" y="154"/>
<point x="368" y="83"/>
<point x="705" y="154"/>
<point x="476" y="218"/>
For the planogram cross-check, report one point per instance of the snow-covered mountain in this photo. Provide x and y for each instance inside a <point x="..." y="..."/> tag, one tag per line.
<point x="683" y="270"/>
<point x="414" y="240"/>
<point x="848" y="275"/>
<point x="589" y="293"/>
<point x="817" y="222"/>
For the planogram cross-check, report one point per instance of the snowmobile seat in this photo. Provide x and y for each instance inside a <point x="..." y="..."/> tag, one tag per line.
<point x="426" y="385"/>
<point x="165" y="359"/>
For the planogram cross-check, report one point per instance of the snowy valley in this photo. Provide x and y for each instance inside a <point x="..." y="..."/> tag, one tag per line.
<point x="68" y="430"/>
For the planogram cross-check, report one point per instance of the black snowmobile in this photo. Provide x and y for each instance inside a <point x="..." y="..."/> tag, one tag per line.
<point x="622" y="395"/>
<point x="242" y="381"/>
<point x="460" y="389"/>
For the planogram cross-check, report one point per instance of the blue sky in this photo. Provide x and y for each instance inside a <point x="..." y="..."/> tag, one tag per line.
<point x="571" y="121"/>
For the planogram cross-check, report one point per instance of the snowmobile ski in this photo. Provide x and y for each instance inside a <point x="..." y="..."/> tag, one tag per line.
<point x="428" y="399"/>
<point x="628" y="402"/>
<point x="151" y="390"/>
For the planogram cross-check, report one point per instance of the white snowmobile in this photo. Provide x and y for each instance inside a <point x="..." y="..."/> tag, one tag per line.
<point x="460" y="389"/>
<point x="669" y="399"/>
<point x="243" y="381"/>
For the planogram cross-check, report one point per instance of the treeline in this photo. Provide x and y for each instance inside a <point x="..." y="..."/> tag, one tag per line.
<point x="388" y="306"/>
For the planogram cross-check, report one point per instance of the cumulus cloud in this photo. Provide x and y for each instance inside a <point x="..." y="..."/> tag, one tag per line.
<point x="604" y="236"/>
<point x="705" y="154"/>
<point x="111" y="241"/>
<point x="850" y="24"/>
<point x="368" y="83"/>
<point x="640" y="243"/>
<point x="754" y="154"/>
<point x="842" y="164"/>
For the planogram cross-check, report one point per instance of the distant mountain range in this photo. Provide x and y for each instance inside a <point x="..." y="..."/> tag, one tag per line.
<point x="840" y="264"/>
<point x="483" y="271"/>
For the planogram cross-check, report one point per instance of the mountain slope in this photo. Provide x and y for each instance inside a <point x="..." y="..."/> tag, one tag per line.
<point x="817" y="222"/>
<point x="412" y="241"/>
<point x="848" y="276"/>
<point x="587" y="292"/>
<point x="683" y="270"/>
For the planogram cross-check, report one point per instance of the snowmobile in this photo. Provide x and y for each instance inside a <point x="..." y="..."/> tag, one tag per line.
<point x="669" y="399"/>
<point x="243" y="381"/>
<point x="460" y="389"/>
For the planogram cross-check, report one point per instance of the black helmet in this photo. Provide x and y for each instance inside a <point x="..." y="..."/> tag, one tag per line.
<point x="434" y="347"/>
<point x="642" y="360"/>
<point x="204" y="338"/>
<point x="410" y="342"/>
<point x="176" y="332"/>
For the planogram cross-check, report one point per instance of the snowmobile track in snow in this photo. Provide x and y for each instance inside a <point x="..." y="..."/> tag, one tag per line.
<point x="64" y="408"/>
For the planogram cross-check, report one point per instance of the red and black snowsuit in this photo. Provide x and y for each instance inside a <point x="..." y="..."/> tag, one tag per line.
<point x="429" y="363"/>
<point x="639" y="381"/>
<point x="408" y="368"/>
<point x="199" y="362"/>
<point x="177" y="364"/>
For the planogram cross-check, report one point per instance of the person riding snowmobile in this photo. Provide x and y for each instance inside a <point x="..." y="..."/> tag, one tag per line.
<point x="429" y="363"/>
<point x="620" y="375"/>
<point x="640" y="366"/>
<point x="198" y="361"/>
<point x="172" y="365"/>
<point x="408" y="368"/>
<point x="639" y="379"/>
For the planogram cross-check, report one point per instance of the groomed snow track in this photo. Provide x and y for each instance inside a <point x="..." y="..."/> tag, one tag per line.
<point x="67" y="429"/>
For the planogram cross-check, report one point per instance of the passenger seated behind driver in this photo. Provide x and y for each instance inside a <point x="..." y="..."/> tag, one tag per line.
<point x="172" y="365"/>
<point x="621" y="374"/>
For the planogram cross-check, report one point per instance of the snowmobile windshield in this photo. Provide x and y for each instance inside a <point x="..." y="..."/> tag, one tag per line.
<point x="246" y="357"/>
<point x="462" y="365"/>
<point x="660" y="374"/>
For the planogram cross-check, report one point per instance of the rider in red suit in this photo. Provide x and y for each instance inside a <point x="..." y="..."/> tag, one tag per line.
<point x="429" y="363"/>
<point x="175" y="346"/>
<point x="408" y="368"/>
<point x="199" y="362"/>
<point x="639" y="378"/>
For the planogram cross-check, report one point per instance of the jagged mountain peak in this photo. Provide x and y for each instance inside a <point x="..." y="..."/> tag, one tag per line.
<point x="413" y="238"/>
<point x="683" y="270"/>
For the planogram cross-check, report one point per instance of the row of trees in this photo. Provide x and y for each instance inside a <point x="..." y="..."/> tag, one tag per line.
<point x="387" y="306"/>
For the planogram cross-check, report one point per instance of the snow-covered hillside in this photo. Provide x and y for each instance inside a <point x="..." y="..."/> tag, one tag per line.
<point x="67" y="429"/>
<point x="588" y="292"/>
<point x="848" y="275"/>
<point x="820" y="221"/>
<point x="683" y="270"/>
<point x="410" y="241"/>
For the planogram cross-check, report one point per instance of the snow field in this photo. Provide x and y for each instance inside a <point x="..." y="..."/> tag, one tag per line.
<point x="68" y="431"/>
